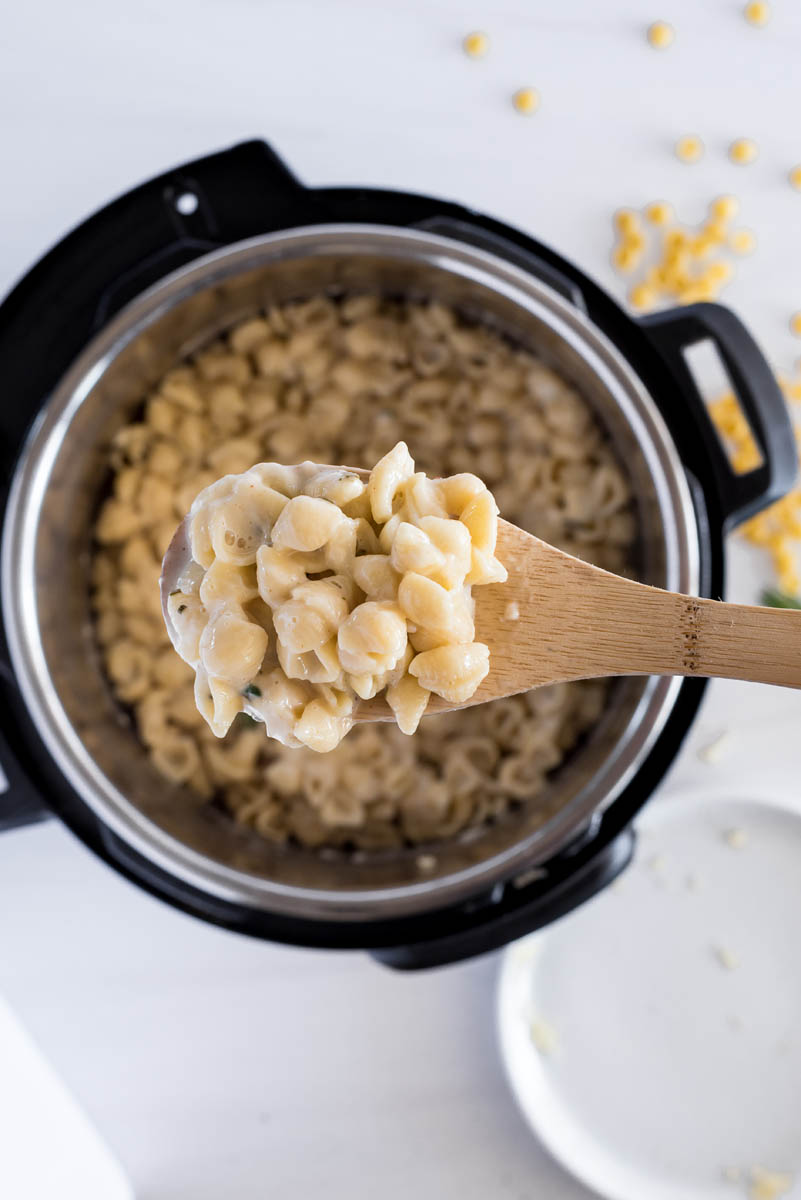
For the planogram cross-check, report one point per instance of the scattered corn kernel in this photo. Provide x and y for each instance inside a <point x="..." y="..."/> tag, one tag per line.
<point x="526" y="100"/>
<point x="724" y="208"/>
<point x="743" y="241"/>
<point x="757" y="12"/>
<point x="659" y="213"/>
<point x="643" y="297"/>
<point x="689" y="149"/>
<point x="626" y="257"/>
<point x="795" y="178"/>
<point x="660" y="35"/>
<point x="769" y="1185"/>
<point x="475" y="45"/>
<point x="795" y="324"/>
<point x="719" y="272"/>
<point x="777" y="530"/>
<point x="743" y="151"/>
<point x="626" y="221"/>
<point x="675" y="240"/>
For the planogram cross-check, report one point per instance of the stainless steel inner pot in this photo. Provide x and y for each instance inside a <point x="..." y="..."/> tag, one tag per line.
<point x="46" y="546"/>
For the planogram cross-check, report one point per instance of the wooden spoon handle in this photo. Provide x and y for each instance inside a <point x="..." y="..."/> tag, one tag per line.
<point x="599" y="624"/>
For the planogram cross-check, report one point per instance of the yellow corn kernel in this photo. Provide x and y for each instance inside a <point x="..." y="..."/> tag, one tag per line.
<point x="675" y="240"/>
<point x="719" y="272"/>
<point x="635" y="240"/>
<point x="724" y="208"/>
<point x="695" y="293"/>
<point x="716" y="231"/>
<point x="743" y="151"/>
<point x="526" y="101"/>
<point x="753" y="530"/>
<point x="655" y="278"/>
<point x="783" y="557"/>
<point x="680" y="281"/>
<point x="795" y="324"/>
<point x="795" y="178"/>
<point x="659" y="213"/>
<point x="757" y="12"/>
<point x="703" y="246"/>
<point x="626" y="221"/>
<point x="475" y="45"/>
<point x="660" y="35"/>
<point x="789" y="583"/>
<point x="689" y="149"/>
<point x="793" y="391"/>
<point x="642" y="297"/>
<point x="743" y="241"/>
<point x="626" y="257"/>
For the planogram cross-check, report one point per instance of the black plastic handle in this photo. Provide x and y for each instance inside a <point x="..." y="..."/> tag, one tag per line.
<point x="494" y="243"/>
<point x="753" y="382"/>
<point x="20" y="804"/>
<point x="123" y="249"/>
<point x="519" y="911"/>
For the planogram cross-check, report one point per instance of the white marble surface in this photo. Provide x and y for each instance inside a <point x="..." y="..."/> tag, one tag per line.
<point x="212" y="1065"/>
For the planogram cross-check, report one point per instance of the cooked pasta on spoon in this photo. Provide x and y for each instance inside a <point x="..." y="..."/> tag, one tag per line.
<point x="297" y="592"/>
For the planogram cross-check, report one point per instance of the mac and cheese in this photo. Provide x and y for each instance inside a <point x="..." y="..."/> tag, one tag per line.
<point x="310" y="589"/>
<point x="343" y="380"/>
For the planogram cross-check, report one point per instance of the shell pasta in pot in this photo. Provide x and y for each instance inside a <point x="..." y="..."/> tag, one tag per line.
<point x="343" y="380"/>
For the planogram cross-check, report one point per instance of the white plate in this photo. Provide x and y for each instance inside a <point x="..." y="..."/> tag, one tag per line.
<point x="671" y="1064"/>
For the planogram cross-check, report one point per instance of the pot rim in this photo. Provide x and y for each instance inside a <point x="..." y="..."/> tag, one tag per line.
<point x="107" y="803"/>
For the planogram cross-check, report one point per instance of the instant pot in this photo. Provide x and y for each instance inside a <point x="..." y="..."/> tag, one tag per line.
<point x="155" y="275"/>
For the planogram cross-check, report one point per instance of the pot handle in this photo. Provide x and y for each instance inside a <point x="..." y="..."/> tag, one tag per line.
<point x="124" y="248"/>
<point x="741" y="495"/>
<point x="519" y="911"/>
<point x="494" y="243"/>
<point x="20" y="804"/>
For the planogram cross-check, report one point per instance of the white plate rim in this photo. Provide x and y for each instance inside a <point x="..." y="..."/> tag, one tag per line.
<point x="531" y="1092"/>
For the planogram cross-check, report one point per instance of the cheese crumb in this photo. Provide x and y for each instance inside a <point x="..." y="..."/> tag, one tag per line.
<point x="543" y="1035"/>
<point x="713" y="752"/>
<point x="769" y="1185"/>
<point x="736" y="838"/>
<point x="426" y="862"/>
<point x="726" y="958"/>
<point x="512" y="611"/>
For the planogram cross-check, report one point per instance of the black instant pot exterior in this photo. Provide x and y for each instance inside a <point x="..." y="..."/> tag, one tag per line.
<point x="246" y="191"/>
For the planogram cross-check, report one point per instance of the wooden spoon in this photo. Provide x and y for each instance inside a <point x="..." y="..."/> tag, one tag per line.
<point x="576" y="621"/>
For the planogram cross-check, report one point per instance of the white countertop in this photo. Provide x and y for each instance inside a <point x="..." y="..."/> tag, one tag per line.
<point x="212" y="1065"/>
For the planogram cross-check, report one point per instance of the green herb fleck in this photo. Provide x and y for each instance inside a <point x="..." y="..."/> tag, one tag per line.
<point x="772" y="598"/>
<point x="181" y="608"/>
<point x="252" y="690"/>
